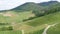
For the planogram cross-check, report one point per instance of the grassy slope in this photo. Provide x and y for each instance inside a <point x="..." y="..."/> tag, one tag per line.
<point x="48" y="19"/>
<point x="17" y="17"/>
<point x="54" y="30"/>
<point x="10" y="32"/>
<point x="38" y="24"/>
<point x="44" y="20"/>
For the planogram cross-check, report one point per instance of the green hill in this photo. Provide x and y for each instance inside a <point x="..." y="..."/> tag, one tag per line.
<point x="45" y="20"/>
<point x="12" y="16"/>
<point x="11" y="21"/>
<point x="33" y="6"/>
<point x="36" y="25"/>
<point x="51" y="18"/>
<point x="28" y="6"/>
<point x="50" y="3"/>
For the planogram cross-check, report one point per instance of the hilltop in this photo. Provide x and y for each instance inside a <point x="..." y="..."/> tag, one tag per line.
<point x="28" y="6"/>
<point x="32" y="6"/>
<point x="48" y="3"/>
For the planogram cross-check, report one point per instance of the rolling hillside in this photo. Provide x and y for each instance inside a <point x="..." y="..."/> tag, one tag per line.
<point x="12" y="16"/>
<point x="36" y="25"/>
<point x="46" y="20"/>
<point x="22" y="18"/>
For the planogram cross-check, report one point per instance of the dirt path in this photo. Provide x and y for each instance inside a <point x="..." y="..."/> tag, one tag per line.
<point x="45" y="31"/>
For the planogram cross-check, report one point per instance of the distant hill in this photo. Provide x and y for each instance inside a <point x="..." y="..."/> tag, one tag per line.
<point x="48" y="3"/>
<point x="28" y="6"/>
<point x="33" y="6"/>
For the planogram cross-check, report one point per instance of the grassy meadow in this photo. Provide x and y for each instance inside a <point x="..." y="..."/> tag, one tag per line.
<point x="33" y="26"/>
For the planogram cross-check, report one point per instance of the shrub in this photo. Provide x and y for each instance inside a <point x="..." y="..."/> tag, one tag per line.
<point x="29" y="19"/>
<point x="6" y="28"/>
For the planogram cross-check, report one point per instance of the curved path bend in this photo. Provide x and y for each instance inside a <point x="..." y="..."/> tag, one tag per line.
<point x="45" y="31"/>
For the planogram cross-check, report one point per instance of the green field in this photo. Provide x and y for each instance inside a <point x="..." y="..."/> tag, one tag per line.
<point x="54" y="30"/>
<point x="10" y="32"/>
<point x="31" y="18"/>
<point x="46" y="20"/>
<point x="15" y="16"/>
<point x="34" y="26"/>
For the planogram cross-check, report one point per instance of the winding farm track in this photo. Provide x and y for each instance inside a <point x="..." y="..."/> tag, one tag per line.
<point x="45" y="31"/>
